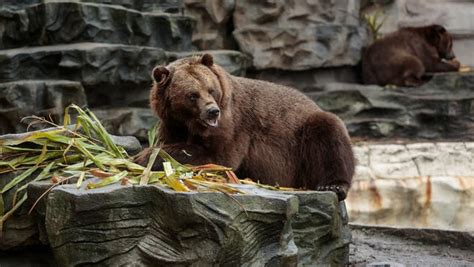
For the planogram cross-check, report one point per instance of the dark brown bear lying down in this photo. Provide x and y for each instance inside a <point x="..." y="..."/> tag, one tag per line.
<point x="403" y="57"/>
<point x="264" y="131"/>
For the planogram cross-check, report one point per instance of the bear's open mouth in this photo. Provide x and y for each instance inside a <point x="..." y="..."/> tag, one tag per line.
<point x="212" y="122"/>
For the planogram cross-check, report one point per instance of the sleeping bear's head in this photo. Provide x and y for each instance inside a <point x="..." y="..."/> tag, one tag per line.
<point x="188" y="92"/>
<point x="442" y="40"/>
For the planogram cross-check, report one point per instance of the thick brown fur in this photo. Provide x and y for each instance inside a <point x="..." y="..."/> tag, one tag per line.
<point x="403" y="57"/>
<point x="265" y="131"/>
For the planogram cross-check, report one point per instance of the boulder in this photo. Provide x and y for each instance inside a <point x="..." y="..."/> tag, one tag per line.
<point x="438" y="110"/>
<point x="68" y="22"/>
<point x="150" y="225"/>
<point x="299" y="35"/>
<point x="43" y="98"/>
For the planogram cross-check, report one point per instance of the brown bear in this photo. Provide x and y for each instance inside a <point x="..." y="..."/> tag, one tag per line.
<point x="403" y="57"/>
<point x="268" y="132"/>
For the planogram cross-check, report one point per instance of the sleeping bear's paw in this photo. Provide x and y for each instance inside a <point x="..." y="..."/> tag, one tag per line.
<point x="340" y="190"/>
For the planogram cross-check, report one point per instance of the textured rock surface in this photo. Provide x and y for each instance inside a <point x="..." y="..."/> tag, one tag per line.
<point x="414" y="185"/>
<point x="113" y="75"/>
<point x="307" y="80"/>
<point x="62" y="23"/>
<point x="41" y="98"/>
<point x="21" y="229"/>
<point x="108" y="72"/>
<point x="147" y="225"/>
<point x="233" y="62"/>
<point x="299" y="35"/>
<point x="171" y="6"/>
<point x="374" y="245"/>
<point x="213" y="29"/>
<point x="455" y="15"/>
<point x="440" y="109"/>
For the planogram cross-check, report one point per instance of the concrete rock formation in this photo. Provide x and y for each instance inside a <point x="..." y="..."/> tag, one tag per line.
<point x="429" y="185"/>
<point x="44" y="98"/>
<point x="106" y="47"/>
<point x="438" y="110"/>
<point x="299" y="35"/>
<point x="213" y="29"/>
<point x="263" y="228"/>
<point x="64" y="23"/>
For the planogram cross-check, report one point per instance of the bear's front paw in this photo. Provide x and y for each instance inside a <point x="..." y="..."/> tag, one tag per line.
<point x="455" y="63"/>
<point x="341" y="191"/>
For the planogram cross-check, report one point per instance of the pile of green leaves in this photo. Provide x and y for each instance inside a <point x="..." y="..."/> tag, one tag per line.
<point x="84" y="150"/>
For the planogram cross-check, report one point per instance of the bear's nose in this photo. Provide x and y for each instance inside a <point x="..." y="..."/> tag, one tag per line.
<point x="213" y="112"/>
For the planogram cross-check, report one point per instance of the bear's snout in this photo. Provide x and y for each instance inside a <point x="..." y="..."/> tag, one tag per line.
<point x="210" y="117"/>
<point x="450" y="55"/>
<point x="213" y="112"/>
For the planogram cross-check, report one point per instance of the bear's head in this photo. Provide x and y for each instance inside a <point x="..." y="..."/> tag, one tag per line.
<point x="191" y="92"/>
<point x="442" y="40"/>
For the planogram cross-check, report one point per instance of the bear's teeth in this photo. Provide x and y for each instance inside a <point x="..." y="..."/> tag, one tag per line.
<point x="212" y="122"/>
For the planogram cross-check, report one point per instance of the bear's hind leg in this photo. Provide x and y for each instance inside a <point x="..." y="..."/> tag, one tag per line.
<point x="327" y="159"/>
<point x="413" y="72"/>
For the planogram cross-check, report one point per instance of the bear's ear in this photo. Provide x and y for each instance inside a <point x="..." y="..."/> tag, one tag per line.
<point x="439" y="28"/>
<point x="160" y="75"/>
<point x="207" y="60"/>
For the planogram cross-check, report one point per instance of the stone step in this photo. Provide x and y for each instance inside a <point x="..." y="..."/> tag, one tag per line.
<point x="69" y="22"/>
<point x="441" y="109"/>
<point x="168" y="6"/>
<point x="42" y="98"/>
<point x="108" y="72"/>
<point x="112" y="74"/>
<point x="414" y="185"/>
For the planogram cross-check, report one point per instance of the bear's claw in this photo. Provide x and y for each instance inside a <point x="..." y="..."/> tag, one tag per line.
<point x="340" y="191"/>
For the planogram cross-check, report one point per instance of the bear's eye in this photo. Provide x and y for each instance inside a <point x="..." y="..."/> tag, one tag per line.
<point x="211" y="91"/>
<point x="193" y="96"/>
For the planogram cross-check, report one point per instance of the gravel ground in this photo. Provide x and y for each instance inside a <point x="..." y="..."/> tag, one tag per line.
<point x="375" y="246"/>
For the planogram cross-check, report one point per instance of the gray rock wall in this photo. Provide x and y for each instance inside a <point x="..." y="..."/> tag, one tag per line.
<point x="439" y="110"/>
<point x="107" y="49"/>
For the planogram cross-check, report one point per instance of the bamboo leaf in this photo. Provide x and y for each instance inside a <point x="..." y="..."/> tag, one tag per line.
<point x="18" y="179"/>
<point x="176" y="184"/>
<point x="108" y="180"/>
<point x="44" y="174"/>
<point x="80" y="180"/>
<point x="80" y="145"/>
<point x="175" y="164"/>
<point x="43" y="154"/>
<point x="146" y="174"/>
<point x="11" y="211"/>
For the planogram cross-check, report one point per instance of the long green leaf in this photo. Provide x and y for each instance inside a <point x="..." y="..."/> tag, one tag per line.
<point x="151" y="161"/>
<point x="18" y="179"/>
<point x="108" y="180"/>
<point x="45" y="173"/>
